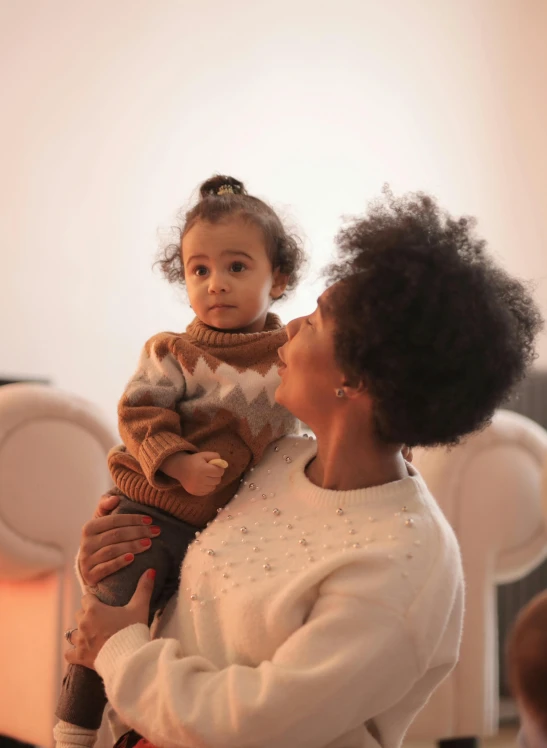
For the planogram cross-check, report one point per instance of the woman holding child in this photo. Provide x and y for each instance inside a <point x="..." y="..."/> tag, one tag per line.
<point x="324" y="603"/>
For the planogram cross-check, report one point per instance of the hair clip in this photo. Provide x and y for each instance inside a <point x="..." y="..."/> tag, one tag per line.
<point x="225" y="189"/>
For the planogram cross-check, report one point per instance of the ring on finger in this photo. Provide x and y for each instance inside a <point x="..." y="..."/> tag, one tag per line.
<point x="68" y="636"/>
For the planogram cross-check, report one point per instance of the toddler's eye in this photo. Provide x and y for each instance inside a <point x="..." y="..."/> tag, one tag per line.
<point x="201" y="270"/>
<point x="237" y="267"/>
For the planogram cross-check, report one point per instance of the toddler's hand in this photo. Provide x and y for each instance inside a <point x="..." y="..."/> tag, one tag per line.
<point x="194" y="472"/>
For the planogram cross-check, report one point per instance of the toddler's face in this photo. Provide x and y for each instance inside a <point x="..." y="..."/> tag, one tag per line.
<point x="229" y="275"/>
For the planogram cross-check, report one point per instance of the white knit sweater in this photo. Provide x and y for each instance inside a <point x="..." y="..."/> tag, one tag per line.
<point x="306" y="618"/>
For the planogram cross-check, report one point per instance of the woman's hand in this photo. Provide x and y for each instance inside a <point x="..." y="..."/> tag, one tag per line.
<point x="111" y="541"/>
<point x="97" y="622"/>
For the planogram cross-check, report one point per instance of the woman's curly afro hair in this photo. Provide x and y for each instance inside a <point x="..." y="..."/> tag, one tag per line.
<point x="435" y="330"/>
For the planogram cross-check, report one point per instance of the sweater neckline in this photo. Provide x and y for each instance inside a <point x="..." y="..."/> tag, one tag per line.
<point x="398" y="492"/>
<point x="202" y="333"/>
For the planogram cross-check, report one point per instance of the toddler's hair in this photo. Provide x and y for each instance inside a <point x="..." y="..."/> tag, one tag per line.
<point x="222" y="197"/>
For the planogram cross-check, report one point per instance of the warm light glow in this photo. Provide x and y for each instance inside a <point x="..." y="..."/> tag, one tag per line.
<point x="114" y="112"/>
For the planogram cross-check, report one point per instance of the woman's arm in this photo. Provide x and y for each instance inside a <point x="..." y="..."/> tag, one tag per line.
<point x="351" y="661"/>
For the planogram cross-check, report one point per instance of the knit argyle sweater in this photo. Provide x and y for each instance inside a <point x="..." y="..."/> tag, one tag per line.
<point x="199" y="391"/>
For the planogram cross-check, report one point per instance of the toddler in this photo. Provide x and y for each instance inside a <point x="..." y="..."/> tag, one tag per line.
<point x="200" y="409"/>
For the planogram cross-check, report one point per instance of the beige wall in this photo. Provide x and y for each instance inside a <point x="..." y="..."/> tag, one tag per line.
<point x="523" y="61"/>
<point x="112" y="113"/>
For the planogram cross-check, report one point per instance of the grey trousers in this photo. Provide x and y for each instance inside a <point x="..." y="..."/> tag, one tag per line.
<point x="83" y="699"/>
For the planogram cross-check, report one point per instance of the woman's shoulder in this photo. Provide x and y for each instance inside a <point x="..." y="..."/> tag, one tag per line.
<point x="439" y="533"/>
<point x="434" y="541"/>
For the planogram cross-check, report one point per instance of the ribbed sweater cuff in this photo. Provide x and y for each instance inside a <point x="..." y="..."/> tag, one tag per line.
<point x="123" y="644"/>
<point x="155" y="450"/>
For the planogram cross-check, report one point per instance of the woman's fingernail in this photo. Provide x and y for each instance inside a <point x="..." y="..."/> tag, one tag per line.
<point x="151" y="573"/>
<point x="146" y="542"/>
<point x="155" y="530"/>
<point x="147" y="520"/>
<point x="128" y="557"/>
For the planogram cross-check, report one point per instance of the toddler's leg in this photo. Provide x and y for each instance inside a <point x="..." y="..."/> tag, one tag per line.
<point x="83" y="699"/>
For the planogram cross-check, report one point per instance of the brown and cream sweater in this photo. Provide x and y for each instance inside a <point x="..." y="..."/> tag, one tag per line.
<point x="199" y="391"/>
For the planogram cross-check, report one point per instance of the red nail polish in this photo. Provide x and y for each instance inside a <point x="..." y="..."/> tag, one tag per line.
<point x="147" y="520"/>
<point x="151" y="573"/>
<point x="146" y="542"/>
<point x="128" y="557"/>
<point x="155" y="530"/>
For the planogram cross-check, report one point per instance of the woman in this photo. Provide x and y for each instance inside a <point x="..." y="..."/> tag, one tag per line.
<point x="324" y="605"/>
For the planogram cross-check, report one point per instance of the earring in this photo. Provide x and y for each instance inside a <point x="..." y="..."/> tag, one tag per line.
<point x="340" y="392"/>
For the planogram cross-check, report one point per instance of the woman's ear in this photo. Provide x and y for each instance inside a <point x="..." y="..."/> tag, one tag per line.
<point x="353" y="388"/>
<point x="280" y="282"/>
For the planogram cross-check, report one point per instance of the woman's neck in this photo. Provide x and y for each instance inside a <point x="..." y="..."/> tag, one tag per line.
<point x="348" y="459"/>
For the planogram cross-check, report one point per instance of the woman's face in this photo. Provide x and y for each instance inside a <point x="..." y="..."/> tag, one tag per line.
<point x="309" y="373"/>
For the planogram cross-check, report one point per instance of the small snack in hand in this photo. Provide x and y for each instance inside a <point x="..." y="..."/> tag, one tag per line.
<point x="219" y="463"/>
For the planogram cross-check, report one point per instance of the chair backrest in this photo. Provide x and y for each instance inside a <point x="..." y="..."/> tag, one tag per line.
<point x="53" y="449"/>
<point x="490" y="488"/>
<point x="529" y="399"/>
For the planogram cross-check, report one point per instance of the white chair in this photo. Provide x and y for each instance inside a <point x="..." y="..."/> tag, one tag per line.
<point x="53" y="449"/>
<point x="492" y="488"/>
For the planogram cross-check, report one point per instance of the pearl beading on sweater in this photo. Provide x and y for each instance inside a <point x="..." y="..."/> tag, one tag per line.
<point x="302" y="549"/>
